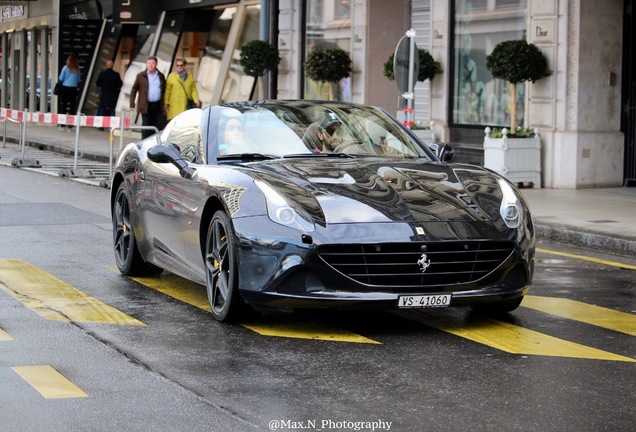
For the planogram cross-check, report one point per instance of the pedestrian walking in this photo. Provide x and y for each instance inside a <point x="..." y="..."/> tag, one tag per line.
<point x="110" y="84"/>
<point x="151" y="86"/>
<point x="181" y="91"/>
<point x="69" y="78"/>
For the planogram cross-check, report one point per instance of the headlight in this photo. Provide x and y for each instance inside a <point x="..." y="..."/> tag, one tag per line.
<point x="511" y="209"/>
<point x="283" y="212"/>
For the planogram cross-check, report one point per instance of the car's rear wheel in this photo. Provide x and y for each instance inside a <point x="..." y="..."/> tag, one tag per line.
<point x="127" y="257"/>
<point x="497" y="307"/>
<point x="222" y="271"/>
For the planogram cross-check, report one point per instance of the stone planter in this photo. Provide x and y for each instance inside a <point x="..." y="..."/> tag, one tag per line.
<point x="425" y="135"/>
<point x="517" y="159"/>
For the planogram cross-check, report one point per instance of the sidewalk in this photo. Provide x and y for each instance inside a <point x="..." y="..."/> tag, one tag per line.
<point x="600" y="219"/>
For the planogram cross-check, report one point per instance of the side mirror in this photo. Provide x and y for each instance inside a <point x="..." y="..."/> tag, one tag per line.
<point x="162" y="153"/>
<point x="444" y="152"/>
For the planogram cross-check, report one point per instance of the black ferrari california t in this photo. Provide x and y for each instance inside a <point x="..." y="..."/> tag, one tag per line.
<point x="293" y="204"/>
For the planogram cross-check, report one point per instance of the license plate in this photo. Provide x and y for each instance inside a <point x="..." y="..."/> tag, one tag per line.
<point x="425" y="301"/>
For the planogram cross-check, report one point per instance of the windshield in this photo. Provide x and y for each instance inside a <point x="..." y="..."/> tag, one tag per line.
<point x="306" y="129"/>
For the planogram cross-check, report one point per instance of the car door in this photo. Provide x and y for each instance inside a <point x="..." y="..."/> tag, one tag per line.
<point x="176" y="197"/>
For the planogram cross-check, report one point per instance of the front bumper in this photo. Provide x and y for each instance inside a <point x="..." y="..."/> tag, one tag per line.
<point x="290" y="273"/>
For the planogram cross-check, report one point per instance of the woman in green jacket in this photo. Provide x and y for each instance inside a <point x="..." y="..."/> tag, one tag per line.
<point x="180" y="87"/>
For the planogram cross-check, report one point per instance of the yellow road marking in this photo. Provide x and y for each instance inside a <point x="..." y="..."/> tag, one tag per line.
<point x="48" y="382"/>
<point x="587" y="258"/>
<point x="302" y="328"/>
<point x="54" y="299"/>
<point x="519" y="340"/>
<point x="583" y="312"/>
<point x="178" y="288"/>
<point x="305" y="328"/>
<point x="4" y="336"/>
<point x="490" y="332"/>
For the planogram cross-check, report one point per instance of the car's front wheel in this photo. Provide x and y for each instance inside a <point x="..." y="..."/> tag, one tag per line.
<point x="222" y="270"/>
<point x="129" y="260"/>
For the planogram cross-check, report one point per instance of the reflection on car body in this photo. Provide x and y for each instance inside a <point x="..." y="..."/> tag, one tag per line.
<point x="268" y="220"/>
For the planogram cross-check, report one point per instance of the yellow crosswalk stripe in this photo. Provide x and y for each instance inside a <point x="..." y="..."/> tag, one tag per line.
<point x="4" y="336"/>
<point x="583" y="312"/>
<point x="48" y="382"/>
<point x="515" y="339"/>
<point x="302" y="328"/>
<point x="54" y="299"/>
<point x="305" y="328"/>
<point x="178" y="288"/>
<point x="494" y="333"/>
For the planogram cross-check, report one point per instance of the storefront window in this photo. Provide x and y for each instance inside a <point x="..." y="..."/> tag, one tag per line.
<point x="238" y="86"/>
<point x="479" y="26"/>
<point x="328" y="25"/>
<point x="210" y="64"/>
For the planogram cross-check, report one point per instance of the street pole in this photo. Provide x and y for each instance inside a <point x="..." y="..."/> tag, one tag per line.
<point x="409" y="94"/>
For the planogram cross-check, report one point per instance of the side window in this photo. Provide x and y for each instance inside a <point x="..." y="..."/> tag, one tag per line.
<point x="184" y="131"/>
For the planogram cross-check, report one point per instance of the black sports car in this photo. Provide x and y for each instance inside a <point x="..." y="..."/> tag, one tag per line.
<point x="318" y="204"/>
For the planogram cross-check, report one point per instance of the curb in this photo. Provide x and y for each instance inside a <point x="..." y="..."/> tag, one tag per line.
<point x="61" y="150"/>
<point x="604" y="242"/>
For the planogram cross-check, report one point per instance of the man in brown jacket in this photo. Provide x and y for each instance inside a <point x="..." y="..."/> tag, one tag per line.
<point x="151" y="85"/>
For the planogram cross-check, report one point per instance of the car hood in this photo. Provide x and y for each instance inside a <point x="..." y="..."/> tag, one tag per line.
<point x="364" y="190"/>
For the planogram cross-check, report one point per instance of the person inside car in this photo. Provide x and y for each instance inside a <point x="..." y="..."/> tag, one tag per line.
<point x="322" y="136"/>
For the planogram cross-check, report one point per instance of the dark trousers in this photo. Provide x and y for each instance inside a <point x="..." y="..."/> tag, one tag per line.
<point x="67" y="99"/>
<point x="152" y="118"/>
<point x="104" y="110"/>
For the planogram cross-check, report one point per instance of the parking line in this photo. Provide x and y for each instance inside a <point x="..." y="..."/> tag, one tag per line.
<point x="587" y="258"/>
<point x="514" y="339"/>
<point x="583" y="312"/>
<point x="298" y="327"/>
<point x="54" y="299"/>
<point x="48" y="382"/>
<point x="4" y="336"/>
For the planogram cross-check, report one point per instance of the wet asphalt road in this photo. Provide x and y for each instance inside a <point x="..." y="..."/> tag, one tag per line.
<point x="445" y="369"/>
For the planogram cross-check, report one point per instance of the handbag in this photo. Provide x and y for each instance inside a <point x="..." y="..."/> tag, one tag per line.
<point x="57" y="89"/>
<point x="190" y="103"/>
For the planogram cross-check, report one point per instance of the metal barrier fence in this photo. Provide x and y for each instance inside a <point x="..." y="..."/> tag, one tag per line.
<point x="111" y="138"/>
<point x="4" y="121"/>
<point x="78" y="120"/>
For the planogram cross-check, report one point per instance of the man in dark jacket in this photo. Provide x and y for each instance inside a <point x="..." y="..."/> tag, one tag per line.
<point x="110" y="84"/>
<point x="151" y="85"/>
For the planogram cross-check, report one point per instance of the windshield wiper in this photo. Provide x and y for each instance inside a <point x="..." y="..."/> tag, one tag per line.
<point x="321" y="154"/>
<point x="243" y="156"/>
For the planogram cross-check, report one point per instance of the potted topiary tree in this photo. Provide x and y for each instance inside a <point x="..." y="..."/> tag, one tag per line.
<point x="328" y="66"/>
<point x="428" y="67"/>
<point x="256" y="58"/>
<point x="516" y="61"/>
<point x="515" y="153"/>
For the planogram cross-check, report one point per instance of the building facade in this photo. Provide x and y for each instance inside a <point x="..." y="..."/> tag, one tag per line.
<point x="584" y="109"/>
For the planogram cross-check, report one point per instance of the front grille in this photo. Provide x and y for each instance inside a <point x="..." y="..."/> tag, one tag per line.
<point x="396" y="264"/>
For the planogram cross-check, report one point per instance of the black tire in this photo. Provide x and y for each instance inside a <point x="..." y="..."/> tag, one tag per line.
<point x="127" y="257"/>
<point x="498" y="307"/>
<point x="222" y="271"/>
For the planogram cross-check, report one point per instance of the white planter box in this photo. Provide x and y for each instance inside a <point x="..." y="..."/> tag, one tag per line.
<point x="517" y="159"/>
<point x="425" y="135"/>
